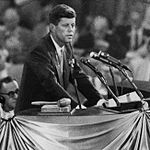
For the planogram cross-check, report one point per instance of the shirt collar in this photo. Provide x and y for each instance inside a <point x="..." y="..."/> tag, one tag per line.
<point x="4" y="114"/>
<point x="58" y="48"/>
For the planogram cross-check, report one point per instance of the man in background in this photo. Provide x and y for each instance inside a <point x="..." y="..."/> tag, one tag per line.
<point x="8" y="96"/>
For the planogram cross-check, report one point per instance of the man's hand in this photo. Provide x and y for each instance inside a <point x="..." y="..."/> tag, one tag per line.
<point x="63" y="102"/>
<point x="102" y="102"/>
<point x="145" y="105"/>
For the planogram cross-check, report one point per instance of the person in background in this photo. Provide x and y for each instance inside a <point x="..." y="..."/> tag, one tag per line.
<point x="141" y="51"/>
<point x="18" y="39"/>
<point x="85" y="39"/>
<point x="141" y="66"/>
<point x="8" y="96"/>
<point x="3" y="53"/>
<point x="42" y="27"/>
<point x="105" y="38"/>
<point x="131" y="35"/>
<point x="51" y="66"/>
<point x="138" y="60"/>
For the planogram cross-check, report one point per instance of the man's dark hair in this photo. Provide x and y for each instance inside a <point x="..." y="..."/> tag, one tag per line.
<point x="6" y="80"/>
<point x="61" y="11"/>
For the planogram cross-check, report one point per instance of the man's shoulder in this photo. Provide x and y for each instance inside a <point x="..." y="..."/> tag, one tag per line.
<point x="39" y="45"/>
<point x="43" y="42"/>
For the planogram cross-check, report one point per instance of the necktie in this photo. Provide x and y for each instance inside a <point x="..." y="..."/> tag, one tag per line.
<point x="60" y="58"/>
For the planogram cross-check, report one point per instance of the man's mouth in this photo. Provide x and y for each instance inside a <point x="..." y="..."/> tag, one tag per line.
<point x="70" y="36"/>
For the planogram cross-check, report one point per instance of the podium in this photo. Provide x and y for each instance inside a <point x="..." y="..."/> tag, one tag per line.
<point x="105" y="130"/>
<point x="124" y="127"/>
<point x="126" y="87"/>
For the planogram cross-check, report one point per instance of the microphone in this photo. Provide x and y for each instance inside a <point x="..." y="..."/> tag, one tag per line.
<point x="86" y="62"/>
<point x="72" y="62"/>
<point x="106" y="58"/>
<point x="101" y="77"/>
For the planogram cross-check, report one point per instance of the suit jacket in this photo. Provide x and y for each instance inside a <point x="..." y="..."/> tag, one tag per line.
<point x="40" y="78"/>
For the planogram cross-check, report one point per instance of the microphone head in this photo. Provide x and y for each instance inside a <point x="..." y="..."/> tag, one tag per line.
<point x="83" y="60"/>
<point x="93" y="54"/>
<point x="99" y="54"/>
<point x="103" y="54"/>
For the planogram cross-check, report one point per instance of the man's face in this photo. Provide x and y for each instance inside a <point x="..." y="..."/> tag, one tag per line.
<point x="64" y="31"/>
<point x="10" y="101"/>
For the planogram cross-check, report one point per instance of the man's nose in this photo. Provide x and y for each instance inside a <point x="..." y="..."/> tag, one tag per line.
<point x="70" y="28"/>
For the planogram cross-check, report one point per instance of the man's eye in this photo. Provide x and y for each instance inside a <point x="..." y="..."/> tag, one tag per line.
<point x="65" y="25"/>
<point x="73" y="25"/>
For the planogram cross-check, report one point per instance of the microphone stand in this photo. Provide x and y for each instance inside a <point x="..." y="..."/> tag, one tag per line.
<point x="144" y="104"/>
<point x="113" y="79"/>
<point x="112" y="75"/>
<point x="122" y="70"/>
<point x="102" y="79"/>
<point x="132" y="83"/>
<point x="72" y="63"/>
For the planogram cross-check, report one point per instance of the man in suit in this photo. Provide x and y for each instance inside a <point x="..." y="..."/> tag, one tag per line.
<point x="46" y="73"/>
<point x="132" y="35"/>
<point x="8" y="96"/>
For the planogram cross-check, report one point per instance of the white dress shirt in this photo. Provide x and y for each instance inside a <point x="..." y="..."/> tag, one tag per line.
<point x="60" y="51"/>
<point x="6" y="115"/>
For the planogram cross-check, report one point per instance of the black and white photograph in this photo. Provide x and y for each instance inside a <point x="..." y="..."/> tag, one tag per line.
<point x="74" y="74"/>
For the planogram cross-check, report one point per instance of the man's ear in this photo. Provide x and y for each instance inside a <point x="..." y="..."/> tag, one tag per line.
<point x="51" y="27"/>
<point x="2" y="100"/>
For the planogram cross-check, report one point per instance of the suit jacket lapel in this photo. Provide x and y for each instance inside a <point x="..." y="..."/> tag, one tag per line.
<point x="53" y="57"/>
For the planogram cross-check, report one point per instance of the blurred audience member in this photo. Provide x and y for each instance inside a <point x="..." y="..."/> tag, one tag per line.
<point x="100" y="29"/>
<point x="105" y="39"/>
<point x="29" y="12"/>
<point x="4" y="4"/>
<point x="131" y="35"/>
<point x="18" y="39"/>
<point x="3" y="53"/>
<point x="42" y="26"/>
<point x="85" y="40"/>
<point x="8" y="95"/>
<point x="141" y="66"/>
<point x="98" y="35"/>
<point x="146" y="23"/>
<point x="141" y="51"/>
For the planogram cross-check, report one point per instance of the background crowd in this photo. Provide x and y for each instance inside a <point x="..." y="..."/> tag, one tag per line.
<point x="120" y="28"/>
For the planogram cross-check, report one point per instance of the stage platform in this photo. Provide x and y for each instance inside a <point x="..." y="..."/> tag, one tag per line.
<point x="81" y="130"/>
